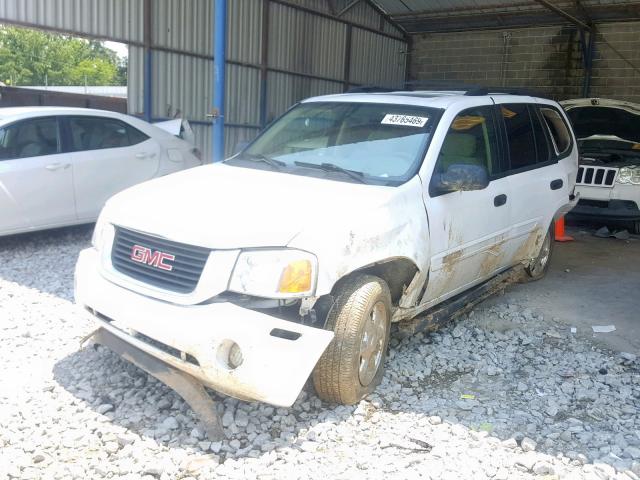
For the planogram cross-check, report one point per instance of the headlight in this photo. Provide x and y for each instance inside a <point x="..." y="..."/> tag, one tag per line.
<point x="102" y="232"/>
<point x="629" y="175"/>
<point x="284" y="273"/>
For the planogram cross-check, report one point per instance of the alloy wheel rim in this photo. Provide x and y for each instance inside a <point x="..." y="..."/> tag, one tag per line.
<point x="372" y="344"/>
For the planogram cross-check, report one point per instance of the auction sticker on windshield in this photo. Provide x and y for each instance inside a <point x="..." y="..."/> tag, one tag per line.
<point x="406" y="120"/>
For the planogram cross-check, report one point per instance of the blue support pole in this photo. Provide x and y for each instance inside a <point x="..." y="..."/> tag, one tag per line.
<point x="147" y="99"/>
<point x="219" y="67"/>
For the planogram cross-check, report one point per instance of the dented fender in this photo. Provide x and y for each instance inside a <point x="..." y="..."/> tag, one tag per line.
<point x="395" y="228"/>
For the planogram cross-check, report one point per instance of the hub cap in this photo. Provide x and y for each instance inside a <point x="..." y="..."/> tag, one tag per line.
<point x="372" y="343"/>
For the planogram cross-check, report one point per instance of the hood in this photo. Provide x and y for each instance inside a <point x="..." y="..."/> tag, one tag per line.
<point x="596" y="119"/>
<point x="227" y="207"/>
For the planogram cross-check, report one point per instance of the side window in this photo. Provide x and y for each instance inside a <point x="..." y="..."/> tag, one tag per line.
<point x="520" y="137"/>
<point x="97" y="133"/>
<point x="136" y="136"/>
<point x="471" y="140"/>
<point x="30" y="138"/>
<point x="558" y="130"/>
<point x="542" y="145"/>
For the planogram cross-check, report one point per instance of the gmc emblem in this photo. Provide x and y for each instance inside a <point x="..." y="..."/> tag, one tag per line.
<point x="158" y="259"/>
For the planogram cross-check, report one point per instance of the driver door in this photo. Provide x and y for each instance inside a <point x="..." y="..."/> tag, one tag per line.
<point x="468" y="229"/>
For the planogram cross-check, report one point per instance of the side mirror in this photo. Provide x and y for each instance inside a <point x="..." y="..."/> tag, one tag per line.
<point x="241" y="145"/>
<point x="461" y="177"/>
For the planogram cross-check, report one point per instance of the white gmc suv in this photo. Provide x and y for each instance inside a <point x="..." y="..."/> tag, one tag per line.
<point x="347" y="214"/>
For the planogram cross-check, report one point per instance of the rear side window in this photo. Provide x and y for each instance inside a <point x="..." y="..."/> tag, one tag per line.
<point x="29" y="138"/>
<point x="557" y="129"/>
<point x="97" y="133"/>
<point x="542" y="145"/>
<point x="520" y="137"/>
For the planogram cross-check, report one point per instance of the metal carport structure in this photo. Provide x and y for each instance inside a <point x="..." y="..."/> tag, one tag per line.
<point x="589" y="43"/>
<point x="277" y="52"/>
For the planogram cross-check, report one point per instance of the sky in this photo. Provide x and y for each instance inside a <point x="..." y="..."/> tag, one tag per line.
<point x="120" y="48"/>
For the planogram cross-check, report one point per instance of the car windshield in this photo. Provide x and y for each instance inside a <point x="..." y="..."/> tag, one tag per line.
<point x="358" y="142"/>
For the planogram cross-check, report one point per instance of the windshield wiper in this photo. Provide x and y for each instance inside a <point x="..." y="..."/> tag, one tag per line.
<point x="260" y="157"/>
<point x="330" y="167"/>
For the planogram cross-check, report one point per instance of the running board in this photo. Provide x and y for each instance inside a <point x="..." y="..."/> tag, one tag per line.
<point x="190" y="389"/>
<point x="435" y="318"/>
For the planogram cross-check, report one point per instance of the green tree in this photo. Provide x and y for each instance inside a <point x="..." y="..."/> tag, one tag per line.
<point x="93" y="72"/>
<point x="33" y="57"/>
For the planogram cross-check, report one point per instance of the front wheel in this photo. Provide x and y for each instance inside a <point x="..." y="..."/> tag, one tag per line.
<point x="539" y="265"/>
<point x="353" y="364"/>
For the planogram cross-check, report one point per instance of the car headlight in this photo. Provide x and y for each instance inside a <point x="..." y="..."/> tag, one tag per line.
<point x="629" y="175"/>
<point x="102" y="232"/>
<point x="284" y="273"/>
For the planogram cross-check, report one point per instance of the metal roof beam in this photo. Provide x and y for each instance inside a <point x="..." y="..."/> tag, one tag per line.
<point x="347" y="8"/>
<point x="583" y="11"/>
<point x="386" y="16"/>
<point x="442" y="12"/>
<point x="567" y="16"/>
<point x="461" y="22"/>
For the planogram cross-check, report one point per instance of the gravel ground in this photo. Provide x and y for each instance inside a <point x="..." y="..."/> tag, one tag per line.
<point x="502" y="394"/>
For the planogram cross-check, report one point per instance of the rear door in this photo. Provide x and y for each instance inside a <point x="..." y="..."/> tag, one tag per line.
<point x="36" y="185"/>
<point x="108" y="155"/>
<point x="468" y="229"/>
<point x="538" y="185"/>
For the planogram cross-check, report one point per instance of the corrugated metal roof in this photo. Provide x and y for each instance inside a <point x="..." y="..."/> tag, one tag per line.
<point x="398" y="7"/>
<point x="417" y="16"/>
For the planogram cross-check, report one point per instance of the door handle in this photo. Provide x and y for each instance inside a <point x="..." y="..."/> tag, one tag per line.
<point x="556" y="184"/>
<point x="142" y="155"/>
<point x="56" y="166"/>
<point x="499" y="200"/>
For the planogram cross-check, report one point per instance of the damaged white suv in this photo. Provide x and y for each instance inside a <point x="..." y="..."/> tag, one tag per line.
<point x="348" y="213"/>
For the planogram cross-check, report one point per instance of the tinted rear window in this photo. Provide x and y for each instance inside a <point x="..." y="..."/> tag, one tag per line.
<point x="557" y="128"/>
<point x="520" y="138"/>
<point x="542" y="146"/>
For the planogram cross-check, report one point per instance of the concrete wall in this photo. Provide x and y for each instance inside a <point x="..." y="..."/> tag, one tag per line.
<point x="547" y="59"/>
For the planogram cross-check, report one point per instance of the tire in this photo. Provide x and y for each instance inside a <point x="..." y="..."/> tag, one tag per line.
<point x="635" y="227"/>
<point x="538" y="267"/>
<point x="362" y="311"/>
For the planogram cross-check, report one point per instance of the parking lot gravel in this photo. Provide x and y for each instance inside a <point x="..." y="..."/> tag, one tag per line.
<point x="504" y="394"/>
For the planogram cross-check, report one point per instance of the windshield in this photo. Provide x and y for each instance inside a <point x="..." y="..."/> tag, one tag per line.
<point x="372" y="143"/>
<point x="608" y="121"/>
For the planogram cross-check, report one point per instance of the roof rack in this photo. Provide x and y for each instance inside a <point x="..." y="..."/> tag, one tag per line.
<point x="502" y="90"/>
<point x="372" y="89"/>
<point x="470" y="90"/>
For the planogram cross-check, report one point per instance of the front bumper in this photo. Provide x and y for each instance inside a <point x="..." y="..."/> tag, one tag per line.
<point x="618" y="210"/>
<point x="278" y="355"/>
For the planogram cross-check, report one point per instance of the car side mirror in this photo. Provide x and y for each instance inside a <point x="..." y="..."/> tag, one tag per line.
<point x="461" y="177"/>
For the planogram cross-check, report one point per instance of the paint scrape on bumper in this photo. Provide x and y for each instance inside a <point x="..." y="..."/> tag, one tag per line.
<point x="272" y="366"/>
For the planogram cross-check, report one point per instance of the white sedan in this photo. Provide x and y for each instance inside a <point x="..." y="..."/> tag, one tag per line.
<point x="59" y="165"/>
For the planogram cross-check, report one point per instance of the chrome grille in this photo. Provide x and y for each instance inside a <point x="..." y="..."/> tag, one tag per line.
<point x="596" y="176"/>
<point x="186" y="266"/>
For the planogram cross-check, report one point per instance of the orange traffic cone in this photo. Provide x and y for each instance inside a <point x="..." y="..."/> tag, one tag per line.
<point x="560" y="236"/>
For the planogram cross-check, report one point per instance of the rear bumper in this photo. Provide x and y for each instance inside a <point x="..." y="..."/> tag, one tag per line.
<point x="619" y="210"/>
<point x="196" y="339"/>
